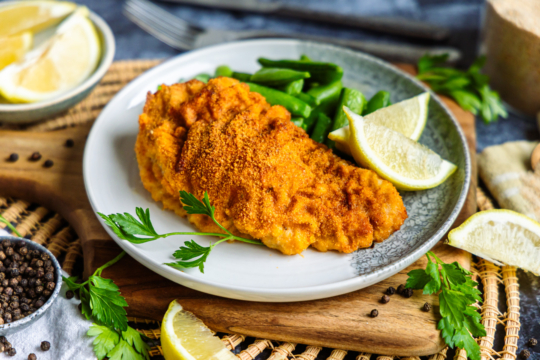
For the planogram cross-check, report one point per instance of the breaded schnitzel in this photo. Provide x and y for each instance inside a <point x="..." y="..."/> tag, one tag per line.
<point x="265" y="176"/>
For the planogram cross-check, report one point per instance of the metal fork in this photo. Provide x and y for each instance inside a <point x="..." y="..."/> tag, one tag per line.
<point x="182" y="35"/>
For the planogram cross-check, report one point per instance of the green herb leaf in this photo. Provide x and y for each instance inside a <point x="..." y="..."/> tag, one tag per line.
<point x="71" y="283"/>
<point x="452" y="305"/>
<point x="106" y="339"/>
<point x="108" y="307"/>
<point x="472" y="322"/>
<point x="106" y="284"/>
<point x="463" y="339"/>
<point x="133" y="338"/>
<point x="434" y="285"/>
<point x="469" y="88"/>
<point x="417" y="279"/>
<point x="447" y="331"/>
<point x="194" y="206"/>
<point x="124" y="351"/>
<point x="86" y="310"/>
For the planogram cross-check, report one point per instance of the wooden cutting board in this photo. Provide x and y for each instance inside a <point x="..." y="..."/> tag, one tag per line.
<point x="341" y="322"/>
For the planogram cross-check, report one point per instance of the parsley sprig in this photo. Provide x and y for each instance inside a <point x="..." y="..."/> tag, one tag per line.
<point x="469" y="88"/>
<point x="141" y="230"/>
<point x="457" y="295"/>
<point x="102" y="302"/>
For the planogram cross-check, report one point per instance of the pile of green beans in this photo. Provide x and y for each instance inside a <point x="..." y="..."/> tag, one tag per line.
<point x="311" y="91"/>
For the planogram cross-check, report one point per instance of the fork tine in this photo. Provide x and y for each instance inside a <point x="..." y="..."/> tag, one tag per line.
<point x="157" y="30"/>
<point x="161" y="15"/>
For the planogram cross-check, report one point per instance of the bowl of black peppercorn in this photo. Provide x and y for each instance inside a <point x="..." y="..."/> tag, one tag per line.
<point x="30" y="280"/>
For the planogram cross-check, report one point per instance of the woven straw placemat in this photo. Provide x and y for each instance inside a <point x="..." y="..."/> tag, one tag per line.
<point x="49" y="229"/>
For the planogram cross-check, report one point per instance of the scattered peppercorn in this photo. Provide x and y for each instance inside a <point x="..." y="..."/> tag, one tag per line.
<point x="70" y="143"/>
<point x="12" y="352"/>
<point x="400" y="289"/>
<point x="427" y="307"/>
<point x="45" y="345"/>
<point x="69" y="294"/>
<point x="385" y="299"/>
<point x="35" y="156"/>
<point x="48" y="163"/>
<point x="390" y="291"/>
<point x="525" y="354"/>
<point x="32" y="357"/>
<point x="407" y="293"/>
<point x="3" y="339"/>
<point x="374" y="313"/>
<point x="532" y="342"/>
<point x="7" y="346"/>
<point x="13" y="157"/>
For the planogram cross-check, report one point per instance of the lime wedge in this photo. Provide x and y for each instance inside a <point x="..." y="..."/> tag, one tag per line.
<point x="405" y="163"/>
<point x="185" y="337"/>
<point x="502" y="237"/>
<point x="407" y="117"/>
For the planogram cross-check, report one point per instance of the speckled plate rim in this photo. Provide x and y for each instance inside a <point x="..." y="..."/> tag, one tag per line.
<point x="106" y="60"/>
<point x="283" y="294"/>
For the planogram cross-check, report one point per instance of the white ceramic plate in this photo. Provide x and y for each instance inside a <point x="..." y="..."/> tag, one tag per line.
<point x="256" y="273"/>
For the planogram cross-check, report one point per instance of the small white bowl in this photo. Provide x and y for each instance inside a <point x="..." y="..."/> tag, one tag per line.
<point x="32" y="112"/>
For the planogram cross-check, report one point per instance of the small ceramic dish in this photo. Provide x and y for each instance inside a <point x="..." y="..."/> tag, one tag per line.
<point x="25" y="322"/>
<point x="32" y="112"/>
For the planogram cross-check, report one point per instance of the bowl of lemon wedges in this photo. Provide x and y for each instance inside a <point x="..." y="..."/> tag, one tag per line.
<point x="52" y="54"/>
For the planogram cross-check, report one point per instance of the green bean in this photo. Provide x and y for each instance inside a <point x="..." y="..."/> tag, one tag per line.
<point x="322" y="127"/>
<point x="378" y="101"/>
<point x="293" y="88"/>
<point x="327" y="93"/>
<point x="311" y="120"/>
<point x="321" y="72"/>
<point x="277" y="77"/>
<point x="223" y="70"/>
<point x="304" y="57"/>
<point x="308" y="99"/>
<point x="355" y="101"/>
<point x="299" y="121"/>
<point x="275" y="97"/>
<point x="202" y="77"/>
<point x="243" y="77"/>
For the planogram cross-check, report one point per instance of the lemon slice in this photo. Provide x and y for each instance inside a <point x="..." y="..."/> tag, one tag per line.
<point x="13" y="48"/>
<point x="404" y="162"/>
<point x="32" y="15"/>
<point x="185" y="337"/>
<point x="500" y="236"/>
<point x="407" y="117"/>
<point x="64" y="62"/>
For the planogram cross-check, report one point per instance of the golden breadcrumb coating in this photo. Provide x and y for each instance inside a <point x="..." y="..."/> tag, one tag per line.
<point x="265" y="176"/>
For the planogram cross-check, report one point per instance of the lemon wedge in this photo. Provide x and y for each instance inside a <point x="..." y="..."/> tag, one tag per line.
<point x="408" y="117"/>
<point x="13" y="48"/>
<point x="64" y="62"/>
<point x="185" y="337"/>
<point x="405" y="163"/>
<point x="32" y="15"/>
<point x="500" y="236"/>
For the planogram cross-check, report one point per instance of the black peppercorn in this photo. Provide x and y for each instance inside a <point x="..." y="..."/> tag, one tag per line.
<point x="32" y="282"/>
<point x="7" y="346"/>
<point x="25" y="307"/>
<point x="13" y="157"/>
<point x="39" y="263"/>
<point x="19" y="290"/>
<point x="32" y="357"/>
<point x="38" y="304"/>
<point x="45" y="345"/>
<point x="7" y="317"/>
<point x="3" y="339"/>
<point x="525" y="354"/>
<point x="39" y="282"/>
<point x="12" y="352"/>
<point x="426" y="307"/>
<point x="47" y="263"/>
<point x="48" y="163"/>
<point x="35" y="156"/>
<point x="49" y="268"/>
<point x="8" y="251"/>
<point x="49" y="276"/>
<point x="23" y="283"/>
<point x="23" y="251"/>
<point x="8" y="291"/>
<point x="374" y="313"/>
<point x="407" y="293"/>
<point x="40" y="273"/>
<point x="14" y="305"/>
<point x="14" y="298"/>
<point x="400" y="289"/>
<point x="35" y="253"/>
<point x="32" y="293"/>
<point x="69" y="294"/>
<point x="385" y="299"/>
<point x="6" y="243"/>
<point x="70" y="143"/>
<point x="390" y="291"/>
<point x="532" y="342"/>
<point x="39" y="289"/>
<point x="5" y="305"/>
<point x="14" y="273"/>
<point x="50" y="286"/>
<point x="2" y="256"/>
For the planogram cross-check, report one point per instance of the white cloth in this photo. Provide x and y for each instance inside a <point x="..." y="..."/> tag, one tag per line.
<point x="63" y="326"/>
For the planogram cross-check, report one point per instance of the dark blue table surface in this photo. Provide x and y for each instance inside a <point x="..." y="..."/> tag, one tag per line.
<point x="462" y="16"/>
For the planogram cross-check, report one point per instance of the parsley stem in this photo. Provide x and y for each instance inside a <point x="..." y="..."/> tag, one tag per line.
<point x="227" y="236"/>
<point x="11" y="227"/>
<point x="106" y="265"/>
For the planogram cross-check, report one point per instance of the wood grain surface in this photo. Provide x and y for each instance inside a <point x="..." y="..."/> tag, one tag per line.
<point x="341" y="322"/>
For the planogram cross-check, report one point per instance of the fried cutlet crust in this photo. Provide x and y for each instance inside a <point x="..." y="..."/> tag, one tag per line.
<point x="265" y="176"/>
